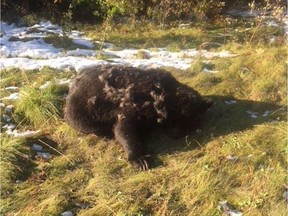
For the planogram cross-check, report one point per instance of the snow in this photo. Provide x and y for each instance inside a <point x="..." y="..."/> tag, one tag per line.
<point x="67" y="213"/>
<point x="13" y="96"/>
<point x="84" y="42"/>
<point x="24" y="134"/>
<point x="9" y="108"/>
<point x="36" y="147"/>
<point x="9" y="126"/>
<point x="266" y="113"/>
<point x="252" y="114"/>
<point x="12" y="88"/>
<point x="206" y="70"/>
<point x="227" y="210"/>
<point x="231" y="102"/>
<point x="34" y="53"/>
<point x="25" y="48"/>
<point x="59" y="82"/>
<point x="44" y="155"/>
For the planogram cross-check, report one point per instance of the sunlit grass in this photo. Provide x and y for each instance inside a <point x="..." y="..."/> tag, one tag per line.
<point x="41" y="107"/>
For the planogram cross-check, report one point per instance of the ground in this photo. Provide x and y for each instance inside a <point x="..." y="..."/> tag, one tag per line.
<point x="238" y="156"/>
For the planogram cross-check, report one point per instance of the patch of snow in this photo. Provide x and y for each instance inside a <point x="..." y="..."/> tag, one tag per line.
<point x="256" y="114"/>
<point x="232" y="158"/>
<point x="185" y="25"/>
<point x="272" y="23"/>
<point x="44" y="155"/>
<point x="13" y="96"/>
<point x="45" y="85"/>
<point x="18" y="181"/>
<point x="206" y="70"/>
<point x="285" y="194"/>
<point x="9" y="126"/>
<point x="75" y="33"/>
<point x="244" y="12"/>
<point x="36" y="53"/>
<point x="64" y="81"/>
<point x="13" y="88"/>
<point x="253" y="115"/>
<point x="59" y="82"/>
<point x="82" y="205"/>
<point x="230" y="102"/>
<point x="36" y="147"/>
<point x="286" y="25"/>
<point x="36" y="48"/>
<point x="266" y="113"/>
<point x="24" y="134"/>
<point x="6" y="118"/>
<point x="67" y="213"/>
<point x="81" y="52"/>
<point x="9" y="108"/>
<point x="225" y="207"/>
<point x="83" y="41"/>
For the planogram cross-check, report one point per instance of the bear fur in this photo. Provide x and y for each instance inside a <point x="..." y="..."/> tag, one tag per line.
<point x="127" y="103"/>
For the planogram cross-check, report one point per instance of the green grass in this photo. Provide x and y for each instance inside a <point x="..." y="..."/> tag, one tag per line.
<point x="11" y="152"/>
<point x="41" y="107"/>
<point x="91" y="176"/>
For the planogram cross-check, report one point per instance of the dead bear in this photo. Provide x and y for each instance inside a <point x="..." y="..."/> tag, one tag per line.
<point x="127" y="102"/>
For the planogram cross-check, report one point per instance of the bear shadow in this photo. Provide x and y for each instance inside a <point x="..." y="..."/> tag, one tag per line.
<point x="227" y="115"/>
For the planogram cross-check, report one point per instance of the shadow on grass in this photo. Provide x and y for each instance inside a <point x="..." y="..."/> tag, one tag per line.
<point x="228" y="115"/>
<point x="29" y="165"/>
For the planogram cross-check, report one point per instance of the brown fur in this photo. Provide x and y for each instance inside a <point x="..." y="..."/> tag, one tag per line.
<point x="126" y="102"/>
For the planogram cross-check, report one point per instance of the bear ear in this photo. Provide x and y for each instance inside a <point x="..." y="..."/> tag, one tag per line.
<point x="207" y="103"/>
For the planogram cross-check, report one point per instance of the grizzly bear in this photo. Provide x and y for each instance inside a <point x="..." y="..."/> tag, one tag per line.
<point x="127" y="103"/>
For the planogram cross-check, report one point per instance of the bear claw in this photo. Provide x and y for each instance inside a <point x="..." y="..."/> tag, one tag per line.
<point x="142" y="163"/>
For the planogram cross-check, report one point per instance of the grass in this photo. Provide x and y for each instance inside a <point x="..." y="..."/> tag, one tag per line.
<point x="90" y="176"/>
<point x="12" y="153"/>
<point x="41" y="107"/>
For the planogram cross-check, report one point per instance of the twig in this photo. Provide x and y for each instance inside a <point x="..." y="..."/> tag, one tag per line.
<point x="57" y="151"/>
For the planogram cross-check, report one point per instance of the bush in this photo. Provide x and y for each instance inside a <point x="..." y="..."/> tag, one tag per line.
<point x="95" y="11"/>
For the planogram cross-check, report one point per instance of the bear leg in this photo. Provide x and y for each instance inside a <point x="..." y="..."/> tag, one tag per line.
<point x="126" y="134"/>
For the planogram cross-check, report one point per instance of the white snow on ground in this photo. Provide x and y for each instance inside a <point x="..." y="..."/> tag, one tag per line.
<point x="24" y="134"/>
<point x="25" y="47"/>
<point x="13" y="96"/>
